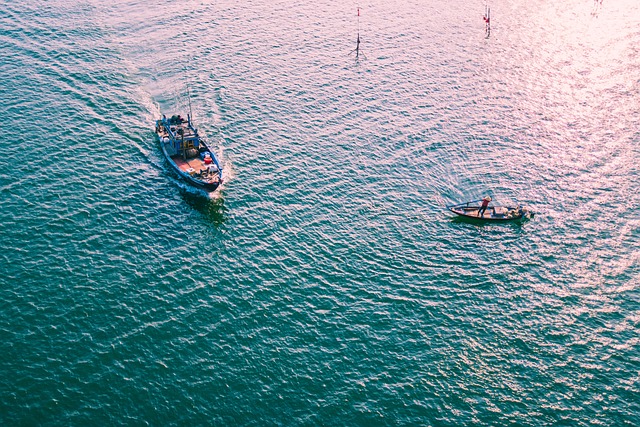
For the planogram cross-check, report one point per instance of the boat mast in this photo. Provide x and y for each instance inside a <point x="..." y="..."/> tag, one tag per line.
<point x="189" y="99"/>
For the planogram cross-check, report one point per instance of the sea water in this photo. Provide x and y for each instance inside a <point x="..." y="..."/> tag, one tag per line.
<point x="325" y="283"/>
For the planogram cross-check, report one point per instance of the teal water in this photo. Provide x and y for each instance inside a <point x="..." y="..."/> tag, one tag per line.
<point x="325" y="284"/>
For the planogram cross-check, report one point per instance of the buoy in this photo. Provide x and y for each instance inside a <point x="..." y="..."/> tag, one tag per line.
<point x="207" y="159"/>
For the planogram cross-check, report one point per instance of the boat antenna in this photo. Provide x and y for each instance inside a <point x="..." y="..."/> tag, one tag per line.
<point x="189" y="99"/>
<point x="357" y="49"/>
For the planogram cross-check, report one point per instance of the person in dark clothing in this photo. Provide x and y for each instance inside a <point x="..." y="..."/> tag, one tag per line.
<point x="483" y="207"/>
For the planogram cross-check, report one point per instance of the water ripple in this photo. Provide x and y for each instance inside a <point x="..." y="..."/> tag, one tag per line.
<point x="325" y="283"/>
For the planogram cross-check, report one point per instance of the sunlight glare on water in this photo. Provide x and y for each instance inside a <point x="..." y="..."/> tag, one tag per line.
<point x="325" y="283"/>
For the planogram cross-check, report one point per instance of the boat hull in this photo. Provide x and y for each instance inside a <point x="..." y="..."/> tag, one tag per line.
<point x="491" y="214"/>
<point x="208" y="186"/>
<point x="188" y="153"/>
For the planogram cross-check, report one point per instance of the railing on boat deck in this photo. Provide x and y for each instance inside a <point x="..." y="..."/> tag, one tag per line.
<point x="190" y="124"/>
<point x="179" y="143"/>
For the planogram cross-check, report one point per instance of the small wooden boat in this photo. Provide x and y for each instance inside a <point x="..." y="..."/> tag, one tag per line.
<point x="188" y="153"/>
<point x="492" y="213"/>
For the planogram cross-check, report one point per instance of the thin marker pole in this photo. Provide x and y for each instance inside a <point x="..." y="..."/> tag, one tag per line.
<point x="357" y="49"/>
<point x="487" y="21"/>
<point x="358" y="39"/>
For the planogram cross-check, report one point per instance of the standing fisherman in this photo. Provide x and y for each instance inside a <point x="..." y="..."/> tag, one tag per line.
<point x="483" y="207"/>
